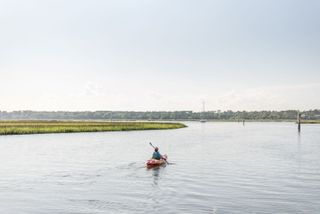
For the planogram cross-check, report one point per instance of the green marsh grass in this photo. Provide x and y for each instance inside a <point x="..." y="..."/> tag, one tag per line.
<point x="310" y="121"/>
<point x="41" y="127"/>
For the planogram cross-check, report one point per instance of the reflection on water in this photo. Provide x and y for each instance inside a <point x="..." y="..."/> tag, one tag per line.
<point x="156" y="171"/>
<point x="155" y="174"/>
<point x="219" y="168"/>
<point x="299" y="137"/>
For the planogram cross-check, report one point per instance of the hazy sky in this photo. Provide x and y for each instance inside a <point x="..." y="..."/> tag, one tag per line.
<point x="159" y="54"/>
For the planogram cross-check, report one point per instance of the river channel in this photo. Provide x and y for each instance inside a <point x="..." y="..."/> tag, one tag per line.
<point x="214" y="167"/>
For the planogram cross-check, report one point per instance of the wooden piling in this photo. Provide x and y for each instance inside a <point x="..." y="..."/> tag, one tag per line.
<point x="299" y="121"/>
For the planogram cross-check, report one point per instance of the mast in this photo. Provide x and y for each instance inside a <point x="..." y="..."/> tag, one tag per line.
<point x="202" y="119"/>
<point x="203" y="106"/>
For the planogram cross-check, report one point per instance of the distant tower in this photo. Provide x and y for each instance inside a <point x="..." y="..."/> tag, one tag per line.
<point x="203" y="119"/>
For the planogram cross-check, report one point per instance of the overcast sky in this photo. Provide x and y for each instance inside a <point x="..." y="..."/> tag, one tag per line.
<point x="159" y="54"/>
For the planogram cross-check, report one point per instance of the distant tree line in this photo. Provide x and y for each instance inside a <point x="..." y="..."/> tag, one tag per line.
<point x="158" y="115"/>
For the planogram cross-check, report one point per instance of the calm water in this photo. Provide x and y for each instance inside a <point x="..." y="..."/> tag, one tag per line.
<point x="215" y="168"/>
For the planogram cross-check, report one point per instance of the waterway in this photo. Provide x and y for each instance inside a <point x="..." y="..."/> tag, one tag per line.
<point x="213" y="168"/>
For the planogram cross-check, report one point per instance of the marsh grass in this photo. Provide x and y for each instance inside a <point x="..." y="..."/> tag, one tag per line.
<point x="310" y="122"/>
<point x="40" y="127"/>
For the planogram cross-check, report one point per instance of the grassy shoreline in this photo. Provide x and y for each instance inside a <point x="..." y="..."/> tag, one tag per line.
<point x="310" y="121"/>
<point x="19" y="127"/>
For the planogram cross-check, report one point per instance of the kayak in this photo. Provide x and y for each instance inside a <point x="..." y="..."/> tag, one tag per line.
<point x="154" y="162"/>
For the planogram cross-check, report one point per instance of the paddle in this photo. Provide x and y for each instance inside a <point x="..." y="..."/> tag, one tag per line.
<point x="161" y="155"/>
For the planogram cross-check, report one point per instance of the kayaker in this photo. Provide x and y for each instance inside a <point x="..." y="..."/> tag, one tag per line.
<point x="156" y="154"/>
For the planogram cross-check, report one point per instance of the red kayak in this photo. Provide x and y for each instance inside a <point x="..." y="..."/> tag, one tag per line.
<point x="154" y="162"/>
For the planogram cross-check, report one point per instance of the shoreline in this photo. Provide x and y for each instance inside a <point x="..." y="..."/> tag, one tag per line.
<point x="310" y="121"/>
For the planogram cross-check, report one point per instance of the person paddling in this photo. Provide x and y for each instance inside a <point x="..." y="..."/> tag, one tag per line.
<point x="157" y="158"/>
<point x="156" y="154"/>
